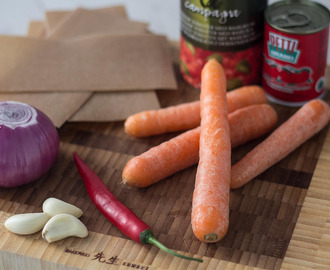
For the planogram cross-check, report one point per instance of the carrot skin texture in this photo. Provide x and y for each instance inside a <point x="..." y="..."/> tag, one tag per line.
<point x="301" y="126"/>
<point x="162" y="160"/>
<point x="170" y="119"/>
<point x="187" y="115"/>
<point x="182" y="151"/>
<point x="210" y="203"/>
<point x="250" y="123"/>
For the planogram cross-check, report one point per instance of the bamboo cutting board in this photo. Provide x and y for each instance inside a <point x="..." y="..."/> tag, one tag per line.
<point x="280" y="220"/>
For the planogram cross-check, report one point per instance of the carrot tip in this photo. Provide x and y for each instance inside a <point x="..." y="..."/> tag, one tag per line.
<point x="211" y="237"/>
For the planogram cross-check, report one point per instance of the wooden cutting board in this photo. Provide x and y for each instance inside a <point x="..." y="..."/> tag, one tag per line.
<point x="280" y="220"/>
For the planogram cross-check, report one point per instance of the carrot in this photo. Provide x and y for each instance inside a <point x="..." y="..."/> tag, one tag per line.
<point x="187" y="115"/>
<point x="210" y="204"/>
<point x="301" y="126"/>
<point x="251" y="122"/>
<point x="182" y="151"/>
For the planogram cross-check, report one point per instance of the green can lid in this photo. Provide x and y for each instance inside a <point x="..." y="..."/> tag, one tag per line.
<point x="297" y="16"/>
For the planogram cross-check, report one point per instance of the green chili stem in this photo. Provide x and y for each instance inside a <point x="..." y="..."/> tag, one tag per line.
<point x="150" y="238"/>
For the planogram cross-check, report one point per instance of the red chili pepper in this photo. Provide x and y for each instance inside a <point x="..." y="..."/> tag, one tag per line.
<point x="116" y="212"/>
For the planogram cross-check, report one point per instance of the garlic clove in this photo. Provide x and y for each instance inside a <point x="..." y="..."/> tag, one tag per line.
<point x="53" y="207"/>
<point x="62" y="226"/>
<point x="28" y="223"/>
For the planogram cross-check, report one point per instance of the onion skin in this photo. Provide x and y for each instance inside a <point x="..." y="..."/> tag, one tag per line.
<point x="27" y="152"/>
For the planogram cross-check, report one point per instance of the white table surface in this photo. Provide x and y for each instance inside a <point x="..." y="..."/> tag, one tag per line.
<point x="163" y="16"/>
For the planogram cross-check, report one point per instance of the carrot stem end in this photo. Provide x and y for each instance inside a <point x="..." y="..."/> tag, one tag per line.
<point x="211" y="237"/>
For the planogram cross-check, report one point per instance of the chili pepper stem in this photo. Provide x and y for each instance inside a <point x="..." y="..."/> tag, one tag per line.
<point x="147" y="237"/>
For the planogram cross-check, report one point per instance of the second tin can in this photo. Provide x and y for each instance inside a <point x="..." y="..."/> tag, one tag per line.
<point x="295" y="51"/>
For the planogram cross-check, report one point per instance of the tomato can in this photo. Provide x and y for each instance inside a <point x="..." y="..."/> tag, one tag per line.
<point x="230" y="31"/>
<point x="296" y="38"/>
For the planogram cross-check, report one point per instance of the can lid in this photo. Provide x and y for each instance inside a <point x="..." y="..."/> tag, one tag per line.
<point x="297" y="16"/>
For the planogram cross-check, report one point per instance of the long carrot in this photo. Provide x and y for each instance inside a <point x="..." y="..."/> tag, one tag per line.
<point x="210" y="204"/>
<point x="187" y="115"/>
<point x="182" y="151"/>
<point x="301" y="126"/>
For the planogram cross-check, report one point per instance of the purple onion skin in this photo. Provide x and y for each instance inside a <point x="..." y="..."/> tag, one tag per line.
<point x="27" y="153"/>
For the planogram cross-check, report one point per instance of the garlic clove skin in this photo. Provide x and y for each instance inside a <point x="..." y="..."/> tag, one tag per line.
<point x="28" y="223"/>
<point x="62" y="226"/>
<point x="53" y="207"/>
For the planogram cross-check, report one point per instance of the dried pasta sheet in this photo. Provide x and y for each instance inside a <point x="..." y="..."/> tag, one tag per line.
<point x="103" y="107"/>
<point x="84" y="22"/>
<point x="83" y="105"/>
<point x="109" y="106"/>
<point x="37" y="29"/>
<point x="57" y="106"/>
<point x="55" y="17"/>
<point x="99" y="63"/>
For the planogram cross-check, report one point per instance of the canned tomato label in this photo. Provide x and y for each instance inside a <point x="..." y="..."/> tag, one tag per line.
<point x="229" y="31"/>
<point x="295" y="51"/>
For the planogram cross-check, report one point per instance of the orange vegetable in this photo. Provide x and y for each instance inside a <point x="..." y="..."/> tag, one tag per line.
<point x="182" y="151"/>
<point x="301" y="126"/>
<point x="210" y="204"/>
<point x="187" y="115"/>
<point x="251" y="122"/>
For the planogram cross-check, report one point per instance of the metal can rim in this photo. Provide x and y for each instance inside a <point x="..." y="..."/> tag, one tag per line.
<point x="304" y="2"/>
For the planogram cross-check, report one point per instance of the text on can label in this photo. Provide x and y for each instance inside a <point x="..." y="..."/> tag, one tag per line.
<point x="283" y="48"/>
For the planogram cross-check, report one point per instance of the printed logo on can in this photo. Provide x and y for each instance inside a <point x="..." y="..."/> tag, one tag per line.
<point x="280" y="70"/>
<point x="283" y="48"/>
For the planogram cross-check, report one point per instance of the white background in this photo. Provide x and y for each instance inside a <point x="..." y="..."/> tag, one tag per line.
<point x="162" y="16"/>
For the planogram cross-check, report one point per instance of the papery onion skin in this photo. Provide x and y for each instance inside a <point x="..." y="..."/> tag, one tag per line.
<point x="28" y="152"/>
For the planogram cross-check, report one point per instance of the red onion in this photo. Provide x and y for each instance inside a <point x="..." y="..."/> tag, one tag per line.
<point x="29" y="143"/>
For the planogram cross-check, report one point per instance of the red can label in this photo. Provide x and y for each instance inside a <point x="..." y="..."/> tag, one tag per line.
<point x="241" y="68"/>
<point x="228" y="31"/>
<point x="294" y="65"/>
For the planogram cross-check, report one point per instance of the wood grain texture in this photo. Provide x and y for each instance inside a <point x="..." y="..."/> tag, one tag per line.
<point x="310" y="243"/>
<point x="278" y="220"/>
